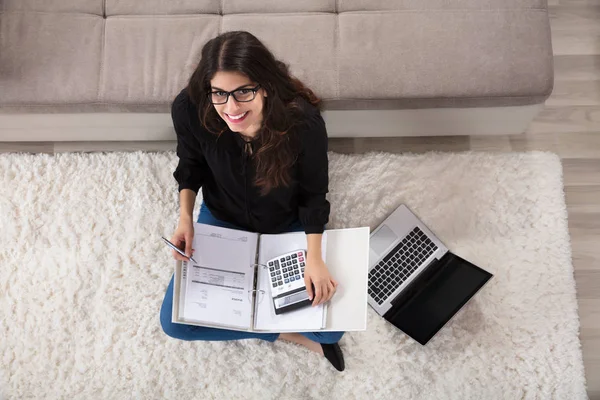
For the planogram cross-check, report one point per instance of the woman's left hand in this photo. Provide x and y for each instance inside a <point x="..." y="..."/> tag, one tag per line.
<point x="316" y="272"/>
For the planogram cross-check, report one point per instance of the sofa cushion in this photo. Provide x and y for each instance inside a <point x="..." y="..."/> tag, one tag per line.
<point x="55" y="6"/>
<point x="49" y="58"/>
<point x="143" y="65"/>
<point x="444" y="53"/>
<point x="153" y="7"/>
<point x="278" y="6"/>
<point x="384" y="5"/>
<point x="310" y="56"/>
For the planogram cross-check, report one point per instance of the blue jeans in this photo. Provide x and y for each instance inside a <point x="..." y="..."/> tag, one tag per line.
<point x="192" y="332"/>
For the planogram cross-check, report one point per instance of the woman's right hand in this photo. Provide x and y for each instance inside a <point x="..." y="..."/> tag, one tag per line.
<point x="183" y="239"/>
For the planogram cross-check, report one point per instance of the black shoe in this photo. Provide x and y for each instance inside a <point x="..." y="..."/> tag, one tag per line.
<point x="334" y="354"/>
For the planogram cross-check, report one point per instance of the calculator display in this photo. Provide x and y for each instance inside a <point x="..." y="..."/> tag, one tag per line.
<point x="294" y="298"/>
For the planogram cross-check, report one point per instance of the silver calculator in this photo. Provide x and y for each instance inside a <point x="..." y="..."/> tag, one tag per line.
<point x="286" y="274"/>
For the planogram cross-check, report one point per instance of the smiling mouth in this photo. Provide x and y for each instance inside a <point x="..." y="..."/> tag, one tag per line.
<point x="238" y="118"/>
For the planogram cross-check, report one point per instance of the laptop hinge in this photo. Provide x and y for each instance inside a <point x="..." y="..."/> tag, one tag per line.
<point x="419" y="283"/>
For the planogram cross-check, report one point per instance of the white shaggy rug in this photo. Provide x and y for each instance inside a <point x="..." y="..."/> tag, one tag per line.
<point x="83" y="273"/>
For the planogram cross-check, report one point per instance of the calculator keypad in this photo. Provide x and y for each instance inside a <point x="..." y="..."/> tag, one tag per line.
<point x="288" y="268"/>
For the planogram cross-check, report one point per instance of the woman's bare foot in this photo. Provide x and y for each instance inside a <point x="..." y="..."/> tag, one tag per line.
<point x="302" y="340"/>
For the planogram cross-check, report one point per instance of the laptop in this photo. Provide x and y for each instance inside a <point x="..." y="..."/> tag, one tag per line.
<point x="415" y="282"/>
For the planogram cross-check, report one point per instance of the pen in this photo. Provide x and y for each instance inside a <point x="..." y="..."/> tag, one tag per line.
<point x="171" y="245"/>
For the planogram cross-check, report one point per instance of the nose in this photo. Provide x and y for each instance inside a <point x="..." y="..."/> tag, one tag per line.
<point x="232" y="106"/>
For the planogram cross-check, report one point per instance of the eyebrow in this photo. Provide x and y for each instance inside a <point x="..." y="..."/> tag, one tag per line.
<point x="243" y="86"/>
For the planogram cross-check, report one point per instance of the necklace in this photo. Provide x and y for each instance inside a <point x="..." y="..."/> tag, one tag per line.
<point x="247" y="143"/>
<point x="248" y="147"/>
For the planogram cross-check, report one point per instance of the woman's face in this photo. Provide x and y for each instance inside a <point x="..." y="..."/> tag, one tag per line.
<point x="250" y="112"/>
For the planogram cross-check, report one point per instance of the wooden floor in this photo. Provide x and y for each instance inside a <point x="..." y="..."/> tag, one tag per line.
<point x="569" y="126"/>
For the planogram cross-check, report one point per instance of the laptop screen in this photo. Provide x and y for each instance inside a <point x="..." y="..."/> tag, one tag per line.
<point x="439" y="299"/>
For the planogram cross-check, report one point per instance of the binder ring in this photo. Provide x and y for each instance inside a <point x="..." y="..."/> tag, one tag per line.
<point x="259" y="296"/>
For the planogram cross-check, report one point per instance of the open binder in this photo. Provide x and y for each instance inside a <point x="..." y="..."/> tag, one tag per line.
<point x="218" y="285"/>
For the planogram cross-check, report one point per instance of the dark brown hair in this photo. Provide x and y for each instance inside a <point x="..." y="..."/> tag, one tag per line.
<point x="242" y="52"/>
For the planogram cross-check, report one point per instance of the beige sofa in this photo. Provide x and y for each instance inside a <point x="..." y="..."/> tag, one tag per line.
<point x="109" y="69"/>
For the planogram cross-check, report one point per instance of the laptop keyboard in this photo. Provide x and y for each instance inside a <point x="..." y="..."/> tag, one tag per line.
<point x="399" y="264"/>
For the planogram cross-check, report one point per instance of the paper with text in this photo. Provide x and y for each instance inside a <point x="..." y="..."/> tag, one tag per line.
<point x="216" y="287"/>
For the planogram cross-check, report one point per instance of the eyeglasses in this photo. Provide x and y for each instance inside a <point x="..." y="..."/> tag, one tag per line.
<point x="242" y="95"/>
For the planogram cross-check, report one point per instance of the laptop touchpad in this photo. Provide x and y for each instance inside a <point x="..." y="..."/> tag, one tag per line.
<point x="382" y="239"/>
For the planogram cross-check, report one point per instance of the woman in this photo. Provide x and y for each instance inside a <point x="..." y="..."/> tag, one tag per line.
<point x="253" y="138"/>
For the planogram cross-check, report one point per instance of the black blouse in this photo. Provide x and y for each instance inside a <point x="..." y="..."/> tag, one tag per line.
<point x="226" y="172"/>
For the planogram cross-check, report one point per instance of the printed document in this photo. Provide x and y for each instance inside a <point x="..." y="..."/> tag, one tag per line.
<point x="217" y="288"/>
